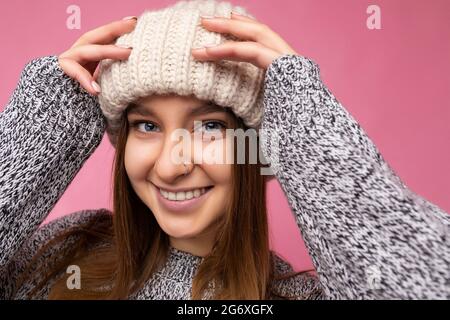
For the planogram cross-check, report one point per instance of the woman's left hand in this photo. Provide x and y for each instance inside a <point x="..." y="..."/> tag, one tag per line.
<point x="260" y="45"/>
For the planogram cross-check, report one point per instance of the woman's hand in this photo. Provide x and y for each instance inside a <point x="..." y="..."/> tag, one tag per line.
<point x="260" y="45"/>
<point x="81" y="60"/>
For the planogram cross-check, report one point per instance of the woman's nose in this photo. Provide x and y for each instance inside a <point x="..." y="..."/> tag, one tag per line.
<point x="169" y="164"/>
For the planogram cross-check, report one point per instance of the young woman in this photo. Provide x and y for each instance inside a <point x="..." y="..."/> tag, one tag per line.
<point x="194" y="229"/>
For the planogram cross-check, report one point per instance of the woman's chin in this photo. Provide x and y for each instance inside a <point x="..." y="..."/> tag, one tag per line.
<point x="178" y="232"/>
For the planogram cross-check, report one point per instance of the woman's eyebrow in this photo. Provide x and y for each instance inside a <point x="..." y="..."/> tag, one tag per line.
<point x="208" y="107"/>
<point x="139" y="109"/>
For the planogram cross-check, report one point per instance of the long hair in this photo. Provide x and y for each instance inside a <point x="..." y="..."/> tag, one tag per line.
<point x="118" y="253"/>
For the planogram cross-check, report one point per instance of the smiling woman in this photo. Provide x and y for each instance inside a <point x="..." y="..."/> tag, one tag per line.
<point x="192" y="228"/>
<point x="163" y="183"/>
<point x="204" y="226"/>
<point x="165" y="210"/>
<point x="153" y="225"/>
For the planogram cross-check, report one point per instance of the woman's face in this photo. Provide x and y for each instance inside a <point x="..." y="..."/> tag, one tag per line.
<point x="157" y="174"/>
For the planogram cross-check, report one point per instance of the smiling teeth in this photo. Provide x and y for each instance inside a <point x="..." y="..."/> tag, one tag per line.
<point x="179" y="196"/>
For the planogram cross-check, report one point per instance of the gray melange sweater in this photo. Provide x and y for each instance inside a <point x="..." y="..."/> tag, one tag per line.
<point x="369" y="236"/>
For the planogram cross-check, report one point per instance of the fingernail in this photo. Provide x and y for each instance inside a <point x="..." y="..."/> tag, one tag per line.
<point x="124" y="46"/>
<point x="130" y="18"/>
<point x="235" y="13"/>
<point x="96" y="87"/>
<point x="207" y="17"/>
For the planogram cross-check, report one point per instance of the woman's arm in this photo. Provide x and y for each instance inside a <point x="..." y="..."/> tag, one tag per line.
<point x="48" y="130"/>
<point x="369" y="236"/>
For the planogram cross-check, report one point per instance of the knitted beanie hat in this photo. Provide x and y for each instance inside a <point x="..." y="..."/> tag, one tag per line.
<point x="161" y="62"/>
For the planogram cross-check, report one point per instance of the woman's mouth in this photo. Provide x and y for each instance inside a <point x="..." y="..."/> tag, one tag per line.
<point x="182" y="201"/>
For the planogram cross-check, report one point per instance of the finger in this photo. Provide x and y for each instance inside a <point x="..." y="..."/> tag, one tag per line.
<point x="78" y="73"/>
<point x="247" y="30"/>
<point x="244" y="30"/>
<point x="96" y="73"/>
<point x="238" y="16"/>
<point x="246" y="51"/>
<point x="97" y="52"/>
<point x="106" y="34"/>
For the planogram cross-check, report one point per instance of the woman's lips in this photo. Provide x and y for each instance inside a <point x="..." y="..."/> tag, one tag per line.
<point x="182" y="205"/>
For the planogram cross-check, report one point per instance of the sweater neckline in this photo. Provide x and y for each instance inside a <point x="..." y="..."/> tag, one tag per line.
<point x="183" y="254"/>
<point x="181" y="265"/>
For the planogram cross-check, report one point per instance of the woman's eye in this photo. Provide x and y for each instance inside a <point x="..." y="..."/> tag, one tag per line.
<point x="144" y="126"/>
<point x="211" y="126"/>
<point x="208" y="127"/>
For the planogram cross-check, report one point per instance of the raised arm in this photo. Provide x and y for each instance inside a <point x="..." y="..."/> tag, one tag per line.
<point x="47" y="131"/>
<point x="50" y="127"/>
<point x="369" y="236"/>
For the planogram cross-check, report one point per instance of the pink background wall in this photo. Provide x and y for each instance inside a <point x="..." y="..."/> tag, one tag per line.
<point x="394" y="81"/>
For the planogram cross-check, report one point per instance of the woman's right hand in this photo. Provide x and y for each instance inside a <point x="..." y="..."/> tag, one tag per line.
<point x="80" y="62"/>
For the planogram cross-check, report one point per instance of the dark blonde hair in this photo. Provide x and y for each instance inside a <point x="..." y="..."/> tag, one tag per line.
<point x="119" y="253"/>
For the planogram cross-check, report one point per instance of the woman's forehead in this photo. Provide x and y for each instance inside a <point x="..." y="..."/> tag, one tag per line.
<point x="182" y="105"/>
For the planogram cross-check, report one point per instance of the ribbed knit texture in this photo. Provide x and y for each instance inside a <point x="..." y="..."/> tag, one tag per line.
<point x="161" y="62"/>
<point x="368" y="234"/>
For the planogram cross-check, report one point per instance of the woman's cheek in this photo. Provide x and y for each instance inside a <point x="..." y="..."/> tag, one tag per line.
<point x="139" y="158"/>
<point x="216" y="163"/>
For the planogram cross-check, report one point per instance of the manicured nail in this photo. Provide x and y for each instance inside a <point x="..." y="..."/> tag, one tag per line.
<point x="130" y="18"/>
<point x="207" y="17"/>
<point x="242" y="15"/>
<point x="96" y="87"/>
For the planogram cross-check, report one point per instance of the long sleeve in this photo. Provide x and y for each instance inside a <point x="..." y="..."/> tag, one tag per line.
<point x="369" y="236"/>
<point x="48" y="129"/>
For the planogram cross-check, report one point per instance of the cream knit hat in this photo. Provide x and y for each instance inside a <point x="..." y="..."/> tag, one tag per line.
<point x="161" y="63"/>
